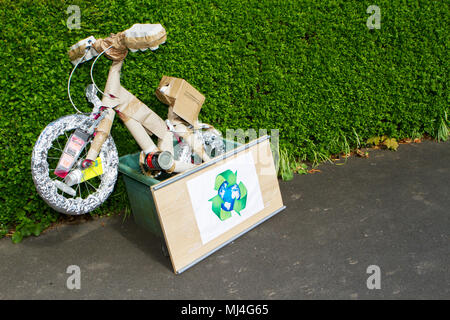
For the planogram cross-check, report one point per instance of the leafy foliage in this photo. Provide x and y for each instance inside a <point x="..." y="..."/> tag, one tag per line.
<point x="442" y="131"/>
<point x="311" y="69"/>
<point x="390" y="143"/>
<point x="286" y="165"/>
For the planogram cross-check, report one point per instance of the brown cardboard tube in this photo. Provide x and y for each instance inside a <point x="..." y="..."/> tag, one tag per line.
<point x="181" y="166"/>
<point x="166" y="143"/>
<point x="105" y="125"/>
<point x="101" y="135"/>
<point x="96" y="145"/>
<point x="140" y="135"/>
<point x="123" y="117"/>
<point x="113" y="83"/>
<point x="132" y="107"/>
<point x="138" y="111"/>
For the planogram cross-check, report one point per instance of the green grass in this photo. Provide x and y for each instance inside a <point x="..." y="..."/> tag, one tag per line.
<point x="311" y="69"/>
<point x="442" y="131"/>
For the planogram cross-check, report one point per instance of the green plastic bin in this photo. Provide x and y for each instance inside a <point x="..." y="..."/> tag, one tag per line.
<point x="139" y="193"/>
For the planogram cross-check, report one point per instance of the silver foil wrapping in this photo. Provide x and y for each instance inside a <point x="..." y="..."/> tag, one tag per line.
<point x="182" y="152"/>
<point x="43" y="181"/>
<point x="213" y="143"/>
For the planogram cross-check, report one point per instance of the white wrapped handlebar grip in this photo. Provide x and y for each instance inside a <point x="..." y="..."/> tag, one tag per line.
<point x="144" y="36"/>
<point x="77" y="51"/>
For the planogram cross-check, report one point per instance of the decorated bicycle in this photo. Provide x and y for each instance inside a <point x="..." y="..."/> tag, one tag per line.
<point x="75" y="161"/>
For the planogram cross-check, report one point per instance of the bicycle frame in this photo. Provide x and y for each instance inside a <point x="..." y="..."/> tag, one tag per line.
<point x="117" y="99"/>
<point x="140" y="121"/>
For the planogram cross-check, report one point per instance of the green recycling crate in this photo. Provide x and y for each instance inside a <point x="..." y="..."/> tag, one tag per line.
<point x="139" y="194"/>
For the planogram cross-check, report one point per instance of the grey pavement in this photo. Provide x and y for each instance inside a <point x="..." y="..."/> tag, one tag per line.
<point x="390" y="210"/>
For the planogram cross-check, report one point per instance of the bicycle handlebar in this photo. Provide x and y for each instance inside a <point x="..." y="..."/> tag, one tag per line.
<point x="138" y="37"/>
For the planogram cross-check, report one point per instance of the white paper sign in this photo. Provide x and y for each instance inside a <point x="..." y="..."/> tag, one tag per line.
<point x="225" y="196"/>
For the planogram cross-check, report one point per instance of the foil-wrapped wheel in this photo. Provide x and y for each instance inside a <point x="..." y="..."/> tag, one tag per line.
<point x="89" y="194"/>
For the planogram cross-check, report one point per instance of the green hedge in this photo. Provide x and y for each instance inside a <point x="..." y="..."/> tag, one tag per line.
<point x="311" y="69"/>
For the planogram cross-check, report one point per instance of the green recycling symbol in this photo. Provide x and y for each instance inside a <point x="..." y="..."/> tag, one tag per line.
<point x="230" y="195"/>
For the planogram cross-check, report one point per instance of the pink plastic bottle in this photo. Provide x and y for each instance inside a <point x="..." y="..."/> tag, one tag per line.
<point x="72" y="150"/>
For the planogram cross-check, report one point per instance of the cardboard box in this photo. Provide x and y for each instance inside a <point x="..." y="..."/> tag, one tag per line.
<point x="185" y="100"/>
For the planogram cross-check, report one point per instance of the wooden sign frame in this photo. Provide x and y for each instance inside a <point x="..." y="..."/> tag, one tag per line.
<point x="177" y="217"/>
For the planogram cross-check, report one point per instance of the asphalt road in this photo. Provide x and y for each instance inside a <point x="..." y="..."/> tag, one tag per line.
<point x="390" y="210"/>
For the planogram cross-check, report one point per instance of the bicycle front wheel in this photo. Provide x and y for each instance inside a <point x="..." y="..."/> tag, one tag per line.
<point x="89" y="194"/>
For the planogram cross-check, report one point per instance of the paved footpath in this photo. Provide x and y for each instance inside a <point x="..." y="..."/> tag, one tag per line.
<point x="390" y="210"/>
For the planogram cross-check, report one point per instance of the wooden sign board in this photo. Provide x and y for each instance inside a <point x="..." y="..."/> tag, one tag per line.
<point x="205" y="208"/>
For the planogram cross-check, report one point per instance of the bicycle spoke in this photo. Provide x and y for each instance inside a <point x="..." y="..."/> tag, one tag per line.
<point x="56" y="148"/>
<point x="77" y="189"/>
<point x="96" y="173"/>
<point x="91" y="185"/>
<point x="87" y="188"/>
<point x="85" y="149"/>
<point x="57" y="140"/>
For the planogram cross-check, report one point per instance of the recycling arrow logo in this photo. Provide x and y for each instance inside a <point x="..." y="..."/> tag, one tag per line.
<point x="230" y="197"/>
